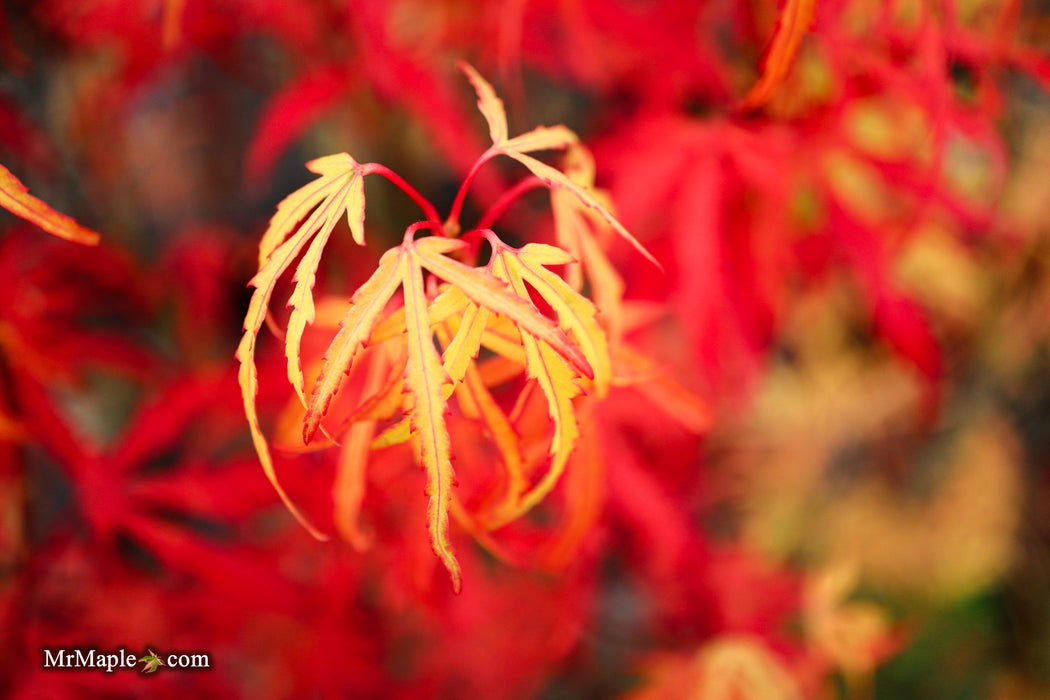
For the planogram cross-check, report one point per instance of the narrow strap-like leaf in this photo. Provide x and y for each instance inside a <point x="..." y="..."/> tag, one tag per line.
<point x="425" y="377"/>
<point x="556" y="379"/>
<point x="15" y="197"/>
<point x="477" y="403"/>
<point x="465" y="344"/>
<point x="348" y="491"/>
<point x="490" y="106"/>
<point x="344" y="165"/>
<point x="335" y="170"/>
<point x="794" y="21"/>
<point x="248" y="377"/>
<point x="574" y="312"/>
<point x="556" y="178"/>
<point x="607" y="285"/>
<point x="290" y="211"/>
<point x="264" y="281"/>
<point x="576" y="226"/>
<point x="542" y="138"/>
<point x="322" y="220"/>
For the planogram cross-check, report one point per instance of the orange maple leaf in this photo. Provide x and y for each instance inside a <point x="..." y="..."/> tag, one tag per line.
<point x="15" y="197"/>
<point x="795" y="19"/>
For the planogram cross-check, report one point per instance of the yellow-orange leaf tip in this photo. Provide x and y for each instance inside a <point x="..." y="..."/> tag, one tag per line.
<point x="15" y="197"/>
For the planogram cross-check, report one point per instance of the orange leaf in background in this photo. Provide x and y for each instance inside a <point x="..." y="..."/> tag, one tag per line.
<point x="171" y="24"/>
<point x="794" y="21"/>
<point x="15" y="197"/>
<point x="584" y="495"/>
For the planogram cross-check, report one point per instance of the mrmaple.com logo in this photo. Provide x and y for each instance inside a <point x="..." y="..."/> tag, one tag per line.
<point x="122" y="660"/>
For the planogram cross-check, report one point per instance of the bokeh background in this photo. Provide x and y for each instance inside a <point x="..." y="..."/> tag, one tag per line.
<point x="857" y="297"/>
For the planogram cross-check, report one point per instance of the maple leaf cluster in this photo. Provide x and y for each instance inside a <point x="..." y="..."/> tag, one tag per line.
<point x="729" y="380"/>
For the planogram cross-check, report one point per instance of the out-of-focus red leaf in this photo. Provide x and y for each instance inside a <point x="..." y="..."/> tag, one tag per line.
<point x="596" y="44"/>
<point x="21" y="135"/>
<point x="289" y="114"/>
<point x="171" y="23"/>
<point x="202" y="264"/>
<point x="410" y="75"/>
<point x="63" y="306"/>
<point x="12" y="55"/>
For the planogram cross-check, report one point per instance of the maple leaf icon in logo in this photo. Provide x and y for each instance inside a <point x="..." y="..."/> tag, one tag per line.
<point x="152" y="662"/>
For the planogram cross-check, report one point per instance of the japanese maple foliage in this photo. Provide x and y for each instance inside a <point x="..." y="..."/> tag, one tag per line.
<point x="475" y="306"/>
<point x="737" y="388"/>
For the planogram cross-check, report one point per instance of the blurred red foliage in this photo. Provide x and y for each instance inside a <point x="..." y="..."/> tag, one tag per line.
<point x="820" y="470"/>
